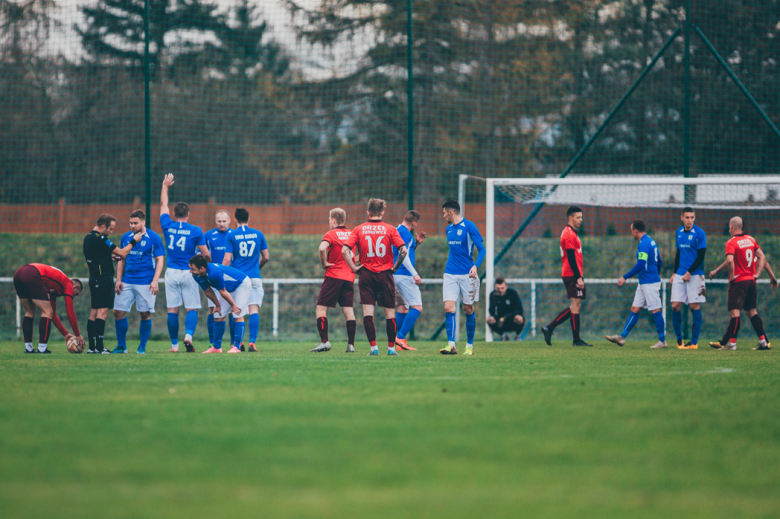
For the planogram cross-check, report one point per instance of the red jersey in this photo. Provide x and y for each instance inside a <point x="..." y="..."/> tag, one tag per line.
<point x="570" y="240"/>
<point x="743" y="248"/>
<point x="340" y="270"/>
<point x="373" y="240"/>
<point x="58" y="284"/>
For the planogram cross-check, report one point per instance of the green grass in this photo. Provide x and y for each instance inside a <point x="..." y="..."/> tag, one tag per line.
<point x="520" y="429"/>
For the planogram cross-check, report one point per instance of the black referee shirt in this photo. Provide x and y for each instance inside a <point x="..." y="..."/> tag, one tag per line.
<point x="508" y="304"/>
<point x="97" y="252"/>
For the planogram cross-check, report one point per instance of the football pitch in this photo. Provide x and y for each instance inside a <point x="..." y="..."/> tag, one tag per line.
<point x="519" y="429"/>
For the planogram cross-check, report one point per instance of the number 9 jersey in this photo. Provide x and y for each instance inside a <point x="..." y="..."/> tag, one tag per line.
<point x="246" y="244"/>
<point x="743" y="247"/>
<point x="374" y="240"/>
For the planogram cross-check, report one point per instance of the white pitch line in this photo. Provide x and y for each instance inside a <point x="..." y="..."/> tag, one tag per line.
<point x="715" y="371"/>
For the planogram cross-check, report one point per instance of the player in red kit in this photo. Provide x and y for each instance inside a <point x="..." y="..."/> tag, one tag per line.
<point x="39" y="286"/>
<point x="375" y="241"/>
<point x="338" y="285"/>
<point x="745" y="260"/>
<point x="572" y="274"/>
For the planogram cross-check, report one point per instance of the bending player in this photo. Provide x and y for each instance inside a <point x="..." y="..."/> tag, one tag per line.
<point x="688" y="278"/>
<point x="745" y="261"/>
<point x="215" y="241"/>
<point x="648" y="293"/>
<point x="339" y="283"/>
<point x="376" y="270"/>
<point x="407" y="281"/>
<point x="229" y="289"/>
<point x="573" y="279"/>
<point x="39" y="286"/>
<point x="247" y="251"/>
<point x="183" y="240"/>
<point x="460" y="275"/>
<point x="137" y="280"/>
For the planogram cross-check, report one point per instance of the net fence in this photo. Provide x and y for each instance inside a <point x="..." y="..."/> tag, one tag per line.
<point x="291" y="107"/>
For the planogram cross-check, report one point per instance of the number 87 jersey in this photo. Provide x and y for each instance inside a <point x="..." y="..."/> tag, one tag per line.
<point x="373" y="240"/>
<point x="246" y="244"/>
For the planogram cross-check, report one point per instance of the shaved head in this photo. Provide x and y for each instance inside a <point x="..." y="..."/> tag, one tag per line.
<point x="736" y="223"/>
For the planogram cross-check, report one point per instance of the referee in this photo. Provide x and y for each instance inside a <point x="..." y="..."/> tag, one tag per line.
<point x="98" y="251"/>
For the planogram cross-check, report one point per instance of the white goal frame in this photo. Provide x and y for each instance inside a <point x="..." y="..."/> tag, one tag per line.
<point x="493" y="183"/>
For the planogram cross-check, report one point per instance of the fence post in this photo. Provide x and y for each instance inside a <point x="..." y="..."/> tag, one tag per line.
<point x="410" y="104"/>
<point x="276" y="309"/>
<point x="147" y="116"/>
<point x="18" y="318"/>
<point x="533" y="308"/>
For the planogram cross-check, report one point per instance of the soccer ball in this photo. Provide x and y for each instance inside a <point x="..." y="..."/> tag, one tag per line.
<point x="74" y="346"/>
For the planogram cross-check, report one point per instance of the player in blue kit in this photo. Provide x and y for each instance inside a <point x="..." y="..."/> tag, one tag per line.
<point x="247" y="251"/>
<point x="229" y="289"/>
<point x="137" y="278"/>
<point x="688" y="278"/>
<point x="407" y="281"/>
<point x="182" y="241"/>
<point x="215" y="241"/>
<point x="460" y="274"/>
<point x="648" y="293"/>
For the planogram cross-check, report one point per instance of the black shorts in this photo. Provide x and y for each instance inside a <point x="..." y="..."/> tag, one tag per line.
<point x="572" y="292"/>
<point x="101" y="289"/>
<point x="335" y="291"/>
<point x="29" y="284"/>
<point x="377" y="288"/>
<point x="743" y="295"/>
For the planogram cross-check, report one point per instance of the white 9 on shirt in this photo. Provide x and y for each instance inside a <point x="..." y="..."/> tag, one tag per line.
<point x="381" y="248"/>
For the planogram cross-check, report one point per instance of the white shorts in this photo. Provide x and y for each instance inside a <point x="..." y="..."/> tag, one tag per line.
<point x="257" y="292"/>
<point x="138" y="294"/>
<point x="409" y="291"/>
<point x="181" y="289"/>
<point x="648" y="296"/>
<point x="241" y="297"/>
<point x="689" y="292"/>
<point x="461" y="285"/>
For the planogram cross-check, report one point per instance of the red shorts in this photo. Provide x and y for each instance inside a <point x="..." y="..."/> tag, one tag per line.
<point x="743" y="295"/>
<point x="377" y="288"/>
<point x="335" y="291"/>
<point x="572" y="292"/>
<point x="29" y="284"/>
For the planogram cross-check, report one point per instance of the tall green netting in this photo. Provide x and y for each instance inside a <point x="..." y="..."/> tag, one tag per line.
<point x="291" y="107"/>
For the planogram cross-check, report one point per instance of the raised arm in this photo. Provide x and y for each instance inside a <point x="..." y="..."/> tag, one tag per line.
<point x="167" y="182"/>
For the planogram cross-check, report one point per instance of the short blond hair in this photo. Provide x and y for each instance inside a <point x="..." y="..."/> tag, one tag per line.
<point x="376" y="206"/>
<point x="338" y="214"/>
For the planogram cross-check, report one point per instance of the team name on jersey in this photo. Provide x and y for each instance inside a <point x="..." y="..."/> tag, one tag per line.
<point x="180" y="231"/>
<point x="745" y="243"/>
<point x="373" y="229"/>
<point x="343" y="235"/>
<point x="245" y="236"/>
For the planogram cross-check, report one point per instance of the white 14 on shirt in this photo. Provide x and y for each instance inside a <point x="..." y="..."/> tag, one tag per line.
<point x="180" y="243"/>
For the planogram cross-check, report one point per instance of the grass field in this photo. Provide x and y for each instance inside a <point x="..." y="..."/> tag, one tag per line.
<point x="520" y="429"/>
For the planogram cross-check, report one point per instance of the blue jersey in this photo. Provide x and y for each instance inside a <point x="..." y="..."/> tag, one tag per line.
<point x="216" y="241"/>
<point x="648" y="262"/>
<point x="140" y="263"/>
<point x="220" y="276"/>
<point x="182" y="240"/>
<point x="689" y="243"/>
<point x="411" y="246"/>
<point x="246" y="244"/>
<point x="462" y="239"/>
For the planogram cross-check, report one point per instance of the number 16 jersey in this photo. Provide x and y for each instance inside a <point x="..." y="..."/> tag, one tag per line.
<point x="375" y="241"/>
<point x="246" y="244"/>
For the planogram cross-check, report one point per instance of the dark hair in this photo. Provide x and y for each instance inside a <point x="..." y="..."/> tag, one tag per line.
<point x="105" y="219"/>
<point x="688" y="210"/>
<point x="412" y="216"/>
<point x="199" y="261"/>
<point x="138" y="214"/>
<point x="452" y="204"/>
<point x="573" y="209"/>
<point x="500" y="281"/>
<point x="638" y="225"/>
<point x="181" y="209"/>
<point x="78" y="282"/>
<point x="242" y="215"/>
<point x="376" y="206"/>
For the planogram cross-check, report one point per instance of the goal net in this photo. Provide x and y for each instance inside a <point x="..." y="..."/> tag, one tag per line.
<point x="532" y="261"/>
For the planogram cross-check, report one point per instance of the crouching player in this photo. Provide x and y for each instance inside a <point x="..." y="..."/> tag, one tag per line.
<point x="229" y="289"/>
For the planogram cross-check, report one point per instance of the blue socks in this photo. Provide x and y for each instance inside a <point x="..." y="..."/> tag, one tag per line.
<point x="399" y="320"/>
<point x="254" y="328"/>
<point x="677" y="324"/>
<point x="406" y="323"/>
<point x="210" y="326"/>
<point x="630" y="322"/>
<point x="471" y="328"/>
<point x="239" y="331"/>
<point x="697" y="320"/>
<point x="191" y="322"/>
<point x="146" y="331"/>
<point x="232" y="324"/>
<point x="660" y="326"/>
<point x="121" y="332"/>
<point x="173" y="328"/>
<point x="450" y="322"/>
<point x="219" y="331"/>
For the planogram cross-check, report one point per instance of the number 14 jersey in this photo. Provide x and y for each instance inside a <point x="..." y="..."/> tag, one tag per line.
<point x="374" y="240"/>
<point x="246" y="244"/>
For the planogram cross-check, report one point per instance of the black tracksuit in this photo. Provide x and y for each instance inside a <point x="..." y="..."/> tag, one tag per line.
<point x="506" y="307"/>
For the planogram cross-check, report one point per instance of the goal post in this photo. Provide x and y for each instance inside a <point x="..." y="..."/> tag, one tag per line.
<point x="609" y="205"/>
